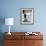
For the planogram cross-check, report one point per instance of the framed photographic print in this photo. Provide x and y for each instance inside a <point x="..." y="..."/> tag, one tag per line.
<point x="27" y="15"/>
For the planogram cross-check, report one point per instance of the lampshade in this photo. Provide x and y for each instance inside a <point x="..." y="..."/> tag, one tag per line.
<point x="9" y="21"/>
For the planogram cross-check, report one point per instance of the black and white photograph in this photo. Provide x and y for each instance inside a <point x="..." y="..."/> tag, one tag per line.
<point x="27" y="15"/>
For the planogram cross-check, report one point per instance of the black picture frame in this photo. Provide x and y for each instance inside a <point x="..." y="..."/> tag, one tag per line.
<point x="27" y="16"/>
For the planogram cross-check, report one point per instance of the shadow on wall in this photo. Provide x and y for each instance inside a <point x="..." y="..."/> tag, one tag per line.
<point x="1" y="39"/>
<point x="2" y="21"/>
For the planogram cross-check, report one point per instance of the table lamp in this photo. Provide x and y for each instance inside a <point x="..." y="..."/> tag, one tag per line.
<point x="9" y="21"/>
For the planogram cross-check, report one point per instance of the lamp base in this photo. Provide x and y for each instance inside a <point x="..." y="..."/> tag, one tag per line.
<point x="9" y="33"/>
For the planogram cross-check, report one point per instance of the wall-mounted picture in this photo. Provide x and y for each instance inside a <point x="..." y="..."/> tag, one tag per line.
<point x="27" y="15"/>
